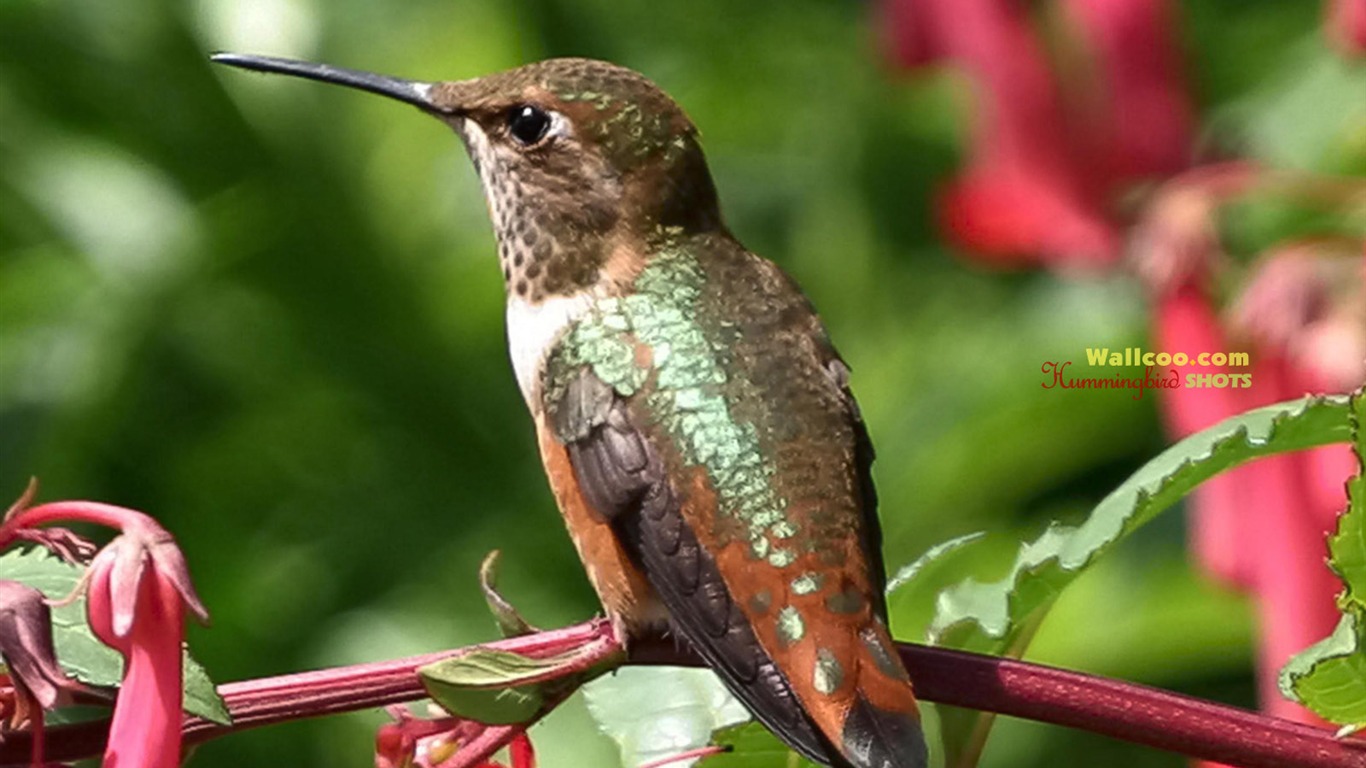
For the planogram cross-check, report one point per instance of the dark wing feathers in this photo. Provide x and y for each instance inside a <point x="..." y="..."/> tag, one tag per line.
<point x="623" y="478"/>
<point x="863" y="461"/>
<point x="611" y="460"/>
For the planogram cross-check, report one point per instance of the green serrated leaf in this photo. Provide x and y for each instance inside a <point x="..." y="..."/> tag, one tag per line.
<point x="81" y="654"/>
<point x="1000" y="617"/>
<point x="655" y="712"/>
<point x="1329" y="677"/>
<point x="1347" y="545"/>
<point x="933" y="556"/>
<point x="753" y="746"/>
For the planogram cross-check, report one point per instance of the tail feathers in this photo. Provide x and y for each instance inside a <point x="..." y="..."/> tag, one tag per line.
<point x="877" y="738"/>
<point x="879" y="725"/>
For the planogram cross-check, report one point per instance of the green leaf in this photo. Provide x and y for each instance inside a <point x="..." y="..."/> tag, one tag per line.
<point x="81" y="654"/>
<point x="201" y="696"/>
<point x="753" y="746"/>
<point x="933" y="556"/>
<point x="1308" y="116"/>
<point x="500" y="687"/>
<point x="510" y="621"/>
<point x="1000" y="617"/>
<point x="655" y="712"/>
<point x="483" y="685"/>
<point x="1347" y="545"/>
<point x="1329" y="677"/>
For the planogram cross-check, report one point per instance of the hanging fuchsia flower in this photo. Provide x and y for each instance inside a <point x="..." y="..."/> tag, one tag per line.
<point x="1295" y="296"/>
<point x="138" y="590"/>
<point x="1175" y="250"/>
<point x="1305" y="305"/>
<point x="1052" y="149"/>
<point x="1023" y="198"/>
<point x="1132" y="110"/>
<point x="907" y="31"/>
<point x="1345" y="25"/>
<point x="1260" y="527"/>
<point x="35" y="681"/>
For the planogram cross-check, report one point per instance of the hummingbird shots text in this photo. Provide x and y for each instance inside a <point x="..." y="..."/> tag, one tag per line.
<point x="1160" y="370"/>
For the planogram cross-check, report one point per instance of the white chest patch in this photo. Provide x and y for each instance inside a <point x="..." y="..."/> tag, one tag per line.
<point x="533" y="329"/>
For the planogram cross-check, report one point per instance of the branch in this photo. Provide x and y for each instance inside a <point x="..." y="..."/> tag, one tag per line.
<point x="1123" y="710"/>
<point x="1114" y="708"/>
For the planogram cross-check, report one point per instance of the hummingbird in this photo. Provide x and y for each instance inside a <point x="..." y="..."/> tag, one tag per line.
<point x="694" y="419"/>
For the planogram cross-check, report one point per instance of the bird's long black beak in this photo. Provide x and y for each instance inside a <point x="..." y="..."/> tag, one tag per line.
<point x="409" y="91"/>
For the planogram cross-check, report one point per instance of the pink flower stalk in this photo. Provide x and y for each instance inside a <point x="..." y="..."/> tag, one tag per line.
<point x="1345" y="25"/>
<point x="1176" y="250"/>
<point x="138" y="590"/>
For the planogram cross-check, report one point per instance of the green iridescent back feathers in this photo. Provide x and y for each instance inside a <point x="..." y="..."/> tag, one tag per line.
<point x="715" y="414"/>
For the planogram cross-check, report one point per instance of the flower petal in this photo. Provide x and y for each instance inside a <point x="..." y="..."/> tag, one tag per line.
<point x="145" y="730"/>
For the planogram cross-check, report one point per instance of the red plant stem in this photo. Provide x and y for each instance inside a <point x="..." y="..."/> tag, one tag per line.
<point x="344" y="689"/>
<point x="1126" y="711"/>
<point x="1114" y="708"/>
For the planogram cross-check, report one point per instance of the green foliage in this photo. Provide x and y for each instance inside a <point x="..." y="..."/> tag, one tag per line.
<point x="1000" y="617"/>
<point x="500" y="687"/>
<point x="269" y="313"/>
<point x="752" y="746"/>
<point x="509" y="620"/>
<point x="488" y="685"/>
<point x="914" y="571"/>
<point x="654" y="712"/>
<point x="1330" y="676"/>
<point x="81" y="654"/>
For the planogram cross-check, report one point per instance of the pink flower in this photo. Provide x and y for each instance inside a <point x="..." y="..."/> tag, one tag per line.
<point x="1221" y="509"/>
<point x="1011" y="215"/>
<point x="35" y="680"/>
<point x="1345" y="25"/>
<point x="139" y="588"/>
<point x="1260" y="527"/>
<point x="1296" y="296"/>
<point x="1132" y="110"/>
<point x="1051" y="149"/>
<point x="448" y="742"/>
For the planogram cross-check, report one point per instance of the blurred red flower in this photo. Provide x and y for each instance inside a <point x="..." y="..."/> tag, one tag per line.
<point x="1078" y="104"/>
<point x="1345" y="25"/>
<point x="1054" y="147"/>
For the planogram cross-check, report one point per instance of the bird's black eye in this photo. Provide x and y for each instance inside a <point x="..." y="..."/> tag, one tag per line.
<point x="528" y="124"/>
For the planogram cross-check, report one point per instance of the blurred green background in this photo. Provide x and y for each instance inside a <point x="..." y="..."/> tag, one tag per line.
<point x="268" y="312"/>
